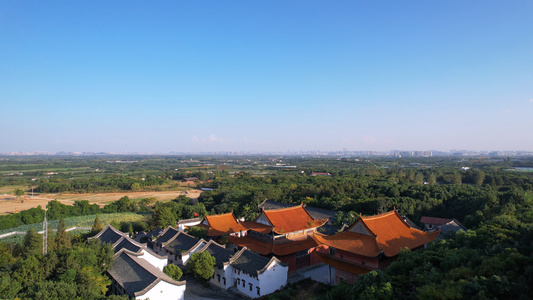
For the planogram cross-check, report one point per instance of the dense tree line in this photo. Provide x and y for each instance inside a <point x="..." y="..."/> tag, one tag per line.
<point x="468" y="196"/>
<point x="105" y="184"/>
<point x="71" y="269"/>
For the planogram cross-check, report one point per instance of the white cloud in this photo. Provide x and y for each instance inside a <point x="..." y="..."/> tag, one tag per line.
<point x="530" y="100"/>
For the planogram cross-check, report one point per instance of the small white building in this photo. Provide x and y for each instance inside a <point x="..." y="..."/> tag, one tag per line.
<point x="136" y="277"/>
<point x="250" y="273"/>
<point x="255" y="275"/>
<point x="223" y="275"/>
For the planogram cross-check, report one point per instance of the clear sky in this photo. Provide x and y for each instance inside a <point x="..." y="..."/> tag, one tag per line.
<point x="161" y="76"/>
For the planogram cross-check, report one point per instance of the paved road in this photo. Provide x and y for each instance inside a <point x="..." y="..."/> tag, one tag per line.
<point x="196" y="291"/>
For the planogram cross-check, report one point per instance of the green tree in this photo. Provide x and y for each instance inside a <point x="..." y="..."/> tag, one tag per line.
<point x="432" y="179"/>
<point x="373" y="285"/>
<point x="201" y="265"/>
<point x="198" y="232"/>
<point x="173" y="271"/>
<point x="163" y="217"/>
<point x="136" y="187"/>
<point x="479" y="177"/>
<point x="28" y="271"/>
<point x="97" y="225"/>
<point x="457" y="178"/>
<point x="18" y="193"/>
<point x="62" y="239"/>
<point x="33" y="242"/>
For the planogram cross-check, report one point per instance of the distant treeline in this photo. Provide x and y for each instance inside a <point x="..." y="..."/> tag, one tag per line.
<point x="469" y="196"/>
<point x="105" y="184"/>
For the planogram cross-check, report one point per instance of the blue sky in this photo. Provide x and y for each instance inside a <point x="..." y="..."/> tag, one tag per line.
<point x="161" y="76"/>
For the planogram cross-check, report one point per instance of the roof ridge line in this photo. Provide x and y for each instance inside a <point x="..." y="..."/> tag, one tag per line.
<point x="238" y="254"/>
<point x="194" y="246"/>
<point x="273" y="258"/>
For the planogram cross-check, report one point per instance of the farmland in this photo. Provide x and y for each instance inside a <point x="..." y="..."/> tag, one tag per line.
<point x="9" y="203"/>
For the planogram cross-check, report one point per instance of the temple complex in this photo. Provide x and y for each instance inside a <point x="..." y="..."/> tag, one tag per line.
<point x="287" y="233"/>
<point x="370" y="243"/>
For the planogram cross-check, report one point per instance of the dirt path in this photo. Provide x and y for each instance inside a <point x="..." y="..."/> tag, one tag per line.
<point x="10" y="204"/>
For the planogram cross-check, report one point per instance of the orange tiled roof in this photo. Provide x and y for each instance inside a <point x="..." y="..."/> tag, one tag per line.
<point x="352" y="242"/>
<point x="223" y="224"/>
<point x="257" y="227"/>
<point x="393" y="233"/>
<point x="291" y="219"/>
<point x="265" y="247"/>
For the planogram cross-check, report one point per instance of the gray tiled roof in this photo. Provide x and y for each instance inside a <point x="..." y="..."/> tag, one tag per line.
<point x="169" y="233"/>
<point x="452" y="226"/>
<point x="270" y="204"/>
<point x="126" y="243"/>
<point x="250" y="262"/>
<point x="157" y="231"/>
<point x="182" y="242"/>
<point x="135" y="274"/>
<point x="109" y="235"/>
<point x="221" y="254"/>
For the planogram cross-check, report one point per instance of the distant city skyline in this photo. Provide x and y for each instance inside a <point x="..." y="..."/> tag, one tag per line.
<point x="276" y="76"/>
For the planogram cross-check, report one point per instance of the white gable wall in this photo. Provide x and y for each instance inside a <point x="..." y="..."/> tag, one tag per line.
<point x="155" y="261"/>
<point x="218" y="278"/>
<point x="273" y="278"/>
<point x="245" y="288"/>
<point x="185" y="257"/>
<point x="164" y="291"/>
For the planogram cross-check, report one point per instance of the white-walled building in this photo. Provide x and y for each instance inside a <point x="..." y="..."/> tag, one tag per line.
<point x="223" y="276"/>
<point x="250" y="273"/>
<point x="181" y="246"/>
<point x="168" y="234"/>
<point x="120" y="240"/>
<point x="136" y="277"/>
<point x="256" y="275"/>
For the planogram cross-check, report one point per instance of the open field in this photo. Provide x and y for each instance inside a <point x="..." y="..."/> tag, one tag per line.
<point x="9" y="203"/>
<point x="79" y="221"/>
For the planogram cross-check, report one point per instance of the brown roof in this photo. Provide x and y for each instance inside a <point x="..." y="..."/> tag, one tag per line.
<point x="223" y="224"/>
<point x="291" y="219"/>
<point x="294" y="246"/>
<point x="257" y="227"/>
<point x="352" y="242"/>
<point x="261" y="247"/>
<point x="434" y="221"/>
<point x="283" y="248"/>
<point x="387" y="233"/>
<point x="343" y="264"/>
